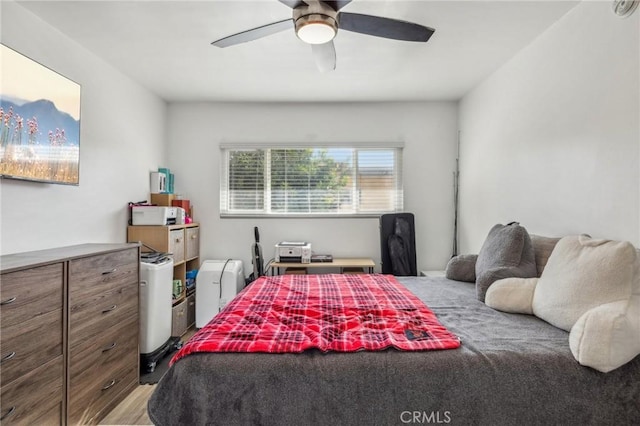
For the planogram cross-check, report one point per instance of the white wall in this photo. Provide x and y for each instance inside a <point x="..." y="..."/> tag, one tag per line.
<point x="429" y="131"/>
<point x="552" y="138"/>
<point x="122" y="138"/>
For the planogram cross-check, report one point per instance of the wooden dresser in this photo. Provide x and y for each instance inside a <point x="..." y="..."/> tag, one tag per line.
<point x="69" y="333"/>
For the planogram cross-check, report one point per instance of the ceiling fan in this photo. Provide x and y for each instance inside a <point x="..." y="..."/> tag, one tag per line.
<point x="317" y="23"/>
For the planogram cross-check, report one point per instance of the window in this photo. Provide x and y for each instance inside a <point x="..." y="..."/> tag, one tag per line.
<point x="333" y="180"/>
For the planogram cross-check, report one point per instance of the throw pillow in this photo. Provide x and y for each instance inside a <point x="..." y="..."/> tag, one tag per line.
<point x="507" y="252"/>
<point x="514" y="295"/>
<point x="542" y="248"/>
<point x="608" y="336"/>
<point x="583" y="273"/>
<point x="590" y="288"/>
<point x="462" y="268"/>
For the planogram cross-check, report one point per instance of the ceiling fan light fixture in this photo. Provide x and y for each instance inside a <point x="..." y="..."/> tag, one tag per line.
<point x="316" y="28"/>
<point x="624" y="8"/>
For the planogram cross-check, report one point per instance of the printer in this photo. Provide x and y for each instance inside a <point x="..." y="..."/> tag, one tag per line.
<point x="157" y="215"/>
<point x="293" y="252"/>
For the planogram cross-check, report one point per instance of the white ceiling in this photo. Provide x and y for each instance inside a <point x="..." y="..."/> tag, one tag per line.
<point x="165" y="46"/>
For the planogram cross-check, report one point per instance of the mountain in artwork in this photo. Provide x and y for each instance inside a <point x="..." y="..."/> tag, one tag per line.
<point x="48" y="116"/>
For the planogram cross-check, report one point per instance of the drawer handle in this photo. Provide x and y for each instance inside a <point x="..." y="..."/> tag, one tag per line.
<point x="8" y="413"/>
<point x="110" y="272"/>
<point x="6" y="302"/>
<point x="7" y="357"/>
<point x="193" y="237"/>
<point x="113" y="308"/>
<point x="111" y="383"/>
<point x="108" y="348"/>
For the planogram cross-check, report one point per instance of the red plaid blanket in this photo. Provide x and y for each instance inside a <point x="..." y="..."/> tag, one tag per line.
<point x="332" y="312"/>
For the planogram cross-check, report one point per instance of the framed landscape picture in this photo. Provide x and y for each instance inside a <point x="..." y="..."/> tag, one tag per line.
<point x="39" y="122"/>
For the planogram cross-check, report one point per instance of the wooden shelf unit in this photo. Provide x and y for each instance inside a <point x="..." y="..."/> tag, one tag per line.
<point x="182" y="241"/>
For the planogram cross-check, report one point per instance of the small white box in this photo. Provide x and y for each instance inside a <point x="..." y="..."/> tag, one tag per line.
<point x="158" y="183"/>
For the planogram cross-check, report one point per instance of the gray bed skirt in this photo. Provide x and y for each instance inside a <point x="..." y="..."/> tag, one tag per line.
<point x="510" y="370"/>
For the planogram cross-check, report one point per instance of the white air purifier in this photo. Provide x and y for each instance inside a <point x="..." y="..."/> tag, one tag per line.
<point x="217" y="282"/>
<point x="156" y="287"/>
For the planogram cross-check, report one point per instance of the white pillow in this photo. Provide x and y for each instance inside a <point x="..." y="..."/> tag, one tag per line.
<point x="583" y="273"/>
<point x="590" y="288"/>
<point x="514" y="295"/>
<point x="606" y="337"/>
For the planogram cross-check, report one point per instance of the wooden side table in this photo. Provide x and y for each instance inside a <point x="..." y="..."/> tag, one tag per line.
<point x="339" y="263"/>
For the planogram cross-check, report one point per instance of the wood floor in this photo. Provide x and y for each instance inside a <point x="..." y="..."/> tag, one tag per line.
<point x="133" y="409"/>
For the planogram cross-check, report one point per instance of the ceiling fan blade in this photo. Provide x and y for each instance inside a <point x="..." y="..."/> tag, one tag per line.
<point x="255" y="33"/>
<point x="335" y="5"/>
<point x="292" y="3"/>
<point x="338" y="4"/>
<point x="325" y="56"/>
<point x="384" y="27"/>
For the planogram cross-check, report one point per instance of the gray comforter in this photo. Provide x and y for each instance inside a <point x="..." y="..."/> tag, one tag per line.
<point x="510" y="370"/>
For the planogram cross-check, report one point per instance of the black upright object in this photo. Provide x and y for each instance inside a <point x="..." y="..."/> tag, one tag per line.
<point x="398" y="244"/>
<point x="256" y="258"/>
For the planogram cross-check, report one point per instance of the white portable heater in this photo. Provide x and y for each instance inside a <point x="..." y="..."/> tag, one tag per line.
<point x="217" y="282"/>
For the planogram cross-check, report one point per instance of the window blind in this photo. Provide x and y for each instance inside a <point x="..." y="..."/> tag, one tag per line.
<point x="293" y="180"/>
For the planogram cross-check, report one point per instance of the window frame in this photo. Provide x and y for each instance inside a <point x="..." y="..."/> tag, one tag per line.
<point x="265" y="212"/>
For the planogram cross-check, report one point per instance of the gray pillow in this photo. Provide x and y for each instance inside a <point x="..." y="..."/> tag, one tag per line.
<point x="542" y="248"/>
<point x="507" y="252"/>
<point x="462" y="268"/>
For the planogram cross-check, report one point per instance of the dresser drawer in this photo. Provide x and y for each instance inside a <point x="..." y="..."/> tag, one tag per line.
<point x="93" y="275"/>
<point x="30" y="293"/>
<point x="94" y="400"/>
<point x="26" y="346"/>
<point x="34" y="396"/>
<point x="109" y="351"/>
<point x="91" y="316"/>
<point x="101" y="370"/>
<point x="51" y="416"/>
<point x="192" y="236"/>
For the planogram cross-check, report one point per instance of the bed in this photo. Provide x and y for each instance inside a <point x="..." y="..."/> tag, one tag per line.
<point x="509" y="369"/>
